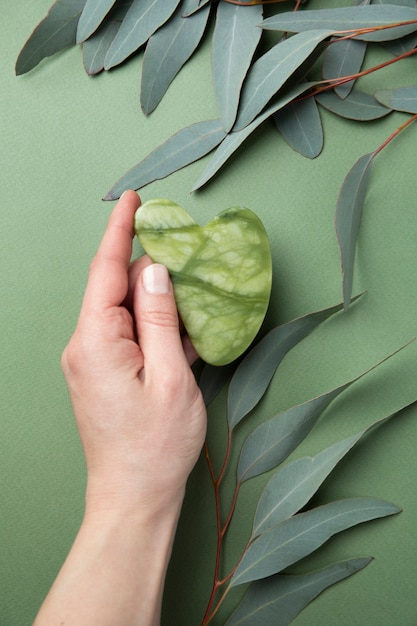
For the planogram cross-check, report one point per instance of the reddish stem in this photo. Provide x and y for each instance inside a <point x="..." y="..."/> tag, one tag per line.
<point x="220" y="531"/>
<point x="395" y="133"/>
<point x="223" y="582"/>
<point x="231" y="511"/>
<point x="330" y="83"/>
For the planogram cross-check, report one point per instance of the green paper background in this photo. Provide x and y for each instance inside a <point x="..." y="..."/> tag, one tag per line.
<point x="65" y="139"/>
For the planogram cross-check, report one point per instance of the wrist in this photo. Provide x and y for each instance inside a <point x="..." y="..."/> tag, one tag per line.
<point x="112" y="500"/>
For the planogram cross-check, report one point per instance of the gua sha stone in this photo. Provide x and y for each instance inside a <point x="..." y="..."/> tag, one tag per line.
<point x="221" y="273"/>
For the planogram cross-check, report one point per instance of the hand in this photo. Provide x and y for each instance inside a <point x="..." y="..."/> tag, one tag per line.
<point x="138" y="408"/>
<point x="142" y="423"/>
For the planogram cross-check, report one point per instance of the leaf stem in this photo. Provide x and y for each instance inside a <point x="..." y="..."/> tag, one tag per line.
<point x="231" y="511"/>
<point x="220" y="531"/>
<point x="209" y="617"/>
<point x="330" y="83"/>
<point x="354" y="32"/>
<point x="395" y="133"/>
<point x="222" y="582"/>
<point x="226" y="456"/>
<point x="215" y="482"/>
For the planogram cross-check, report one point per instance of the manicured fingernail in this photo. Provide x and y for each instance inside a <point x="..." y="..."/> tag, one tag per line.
<point x="156" y="279"/>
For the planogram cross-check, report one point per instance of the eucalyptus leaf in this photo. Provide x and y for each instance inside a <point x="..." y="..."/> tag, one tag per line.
<point x="348" y="217"/>
<point x="233" y="140"/>
<point x="400" y="99"/>
<point x="300" y="125"/>
<point x="401" y="46"/>
<point x="277" y="600"/>
<point x="191" y="6"/>
<point x="344" y="19"/>
<point x="143" y="18"/>
<point x="221" y="273"/>
<point x="213" y="379"/>
<point x="359" y="106"/>
<point x="273" y="441"/>
<point x="92" y="16"/>
<point x="294" y="485"/>
<point x="409" y="42"/>
<point x="270" y="443"/>
<point x="273" y="69"/>
<point x="291" y="487"/>
<point x="54" y="33"/>
<point x="235" y="38"/>
<point x="304" y="533"/>
<point x="188" y="145"/>
<point x="343" y="58"/>
<point x="256" y="370"/>
<point x="411" y="4"/>
<point x="166" y="52"/>
<point x="96" y="47"/>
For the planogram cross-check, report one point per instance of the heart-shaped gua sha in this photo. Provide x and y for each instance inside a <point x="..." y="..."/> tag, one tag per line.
<point x="221" y="273"/>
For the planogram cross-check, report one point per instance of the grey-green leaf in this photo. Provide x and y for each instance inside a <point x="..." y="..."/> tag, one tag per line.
<point x="234" y="139"/>
<point x="235" y="38"/>
<point x="294" y="485"/>
<point x="92" y="16"/>
<point x="212" y="380"/>
<point x="54" y="33"/>
<point x="166" y="52"/>
<point x="277" y="600"/>
<point x="291" y="487"/>
<point x="96" y="47"/>
<point x="300" y="125"/>
<point x="400" y="99"/>
<point x="349" y="19"/>
<point x="142" y="19"/>
<point x="348" y="216"/>
<point x="401" y="46"/>
<point x="303" y="533"/>
<point x="409" y="42"/>
<point x="255" y="372"/>
<point x="273" y="69"/>
<point x="358" y="105"/>
<point x="273" y="441"/>
<point x="188" y="145"/>
<point x="343" y="58"/>
<point x="191" y="6"/>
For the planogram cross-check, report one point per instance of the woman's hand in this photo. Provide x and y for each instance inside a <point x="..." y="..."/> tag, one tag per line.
<point x="142" y="423"/>
<point x="138" y="408"/>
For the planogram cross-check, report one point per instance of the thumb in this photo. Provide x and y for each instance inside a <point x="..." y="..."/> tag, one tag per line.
<point x="157" y="319"/>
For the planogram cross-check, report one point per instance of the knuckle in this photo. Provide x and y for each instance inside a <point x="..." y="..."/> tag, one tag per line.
<point x="76" y="356"/>
<point x="160" y="318"/>
<point x="176" y="384"/>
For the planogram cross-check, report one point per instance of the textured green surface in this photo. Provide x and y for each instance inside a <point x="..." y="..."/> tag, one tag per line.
<point x="221" y="273"/>
<point x="65" y="139"/>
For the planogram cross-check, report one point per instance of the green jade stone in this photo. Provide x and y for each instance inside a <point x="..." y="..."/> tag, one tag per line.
<point x="221" y="273"/>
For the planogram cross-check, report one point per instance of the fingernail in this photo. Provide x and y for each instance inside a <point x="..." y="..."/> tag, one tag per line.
<point x="155" y="279"/>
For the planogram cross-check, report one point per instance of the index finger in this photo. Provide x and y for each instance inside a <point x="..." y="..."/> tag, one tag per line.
<point x="108" y="277"/>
